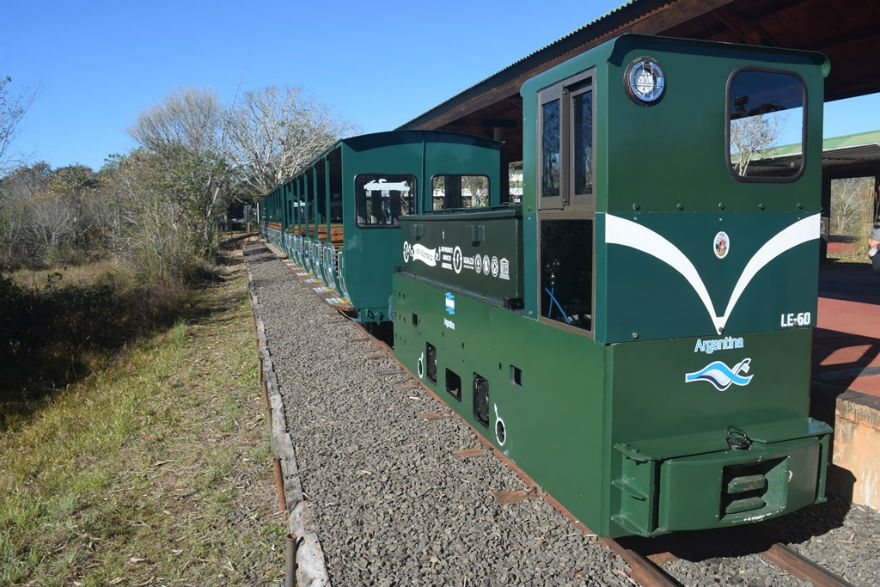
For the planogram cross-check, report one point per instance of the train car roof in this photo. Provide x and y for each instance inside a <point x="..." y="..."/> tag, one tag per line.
<point x="388" y="138"/>
<point x="379" y="140"/>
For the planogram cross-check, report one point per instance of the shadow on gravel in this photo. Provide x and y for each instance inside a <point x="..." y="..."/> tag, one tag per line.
<point x="236" y="240"/>
<point x="793" y="528"/>
<point x="261" y="255"/>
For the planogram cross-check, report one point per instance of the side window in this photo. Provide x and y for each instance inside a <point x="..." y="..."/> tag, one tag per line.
<point x="582" y="141"/>
<point x="566" y="156"/>
<point x="459" y="191"/>
<point x="299" y="206"/>
<point x="321" y="191"/>
<point x="309" y="189"/>
<point x="335" y="161"/>
<point x="566" y="202"/>
<point x="766" y="125"/>
<point x="551" y="157"/>
<point x="567" y="272"/>
<point x="380" y="200"/>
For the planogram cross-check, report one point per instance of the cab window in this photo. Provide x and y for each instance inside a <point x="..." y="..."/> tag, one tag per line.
<point x="459" y="191"/>
<point x="766" y="125"/>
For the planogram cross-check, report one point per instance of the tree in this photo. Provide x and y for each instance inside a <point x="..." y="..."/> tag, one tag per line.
<point x="179" y="181"/>
<point x="77" y="186"/>
<point x="187" y="131"/>
<point x="51" y="225"/>
<point x="852" y="206"/>
<point x="49" y="216"/>
<point x="274" y="132"/>
<point x="162" y="202"/>
<point x="17" y="192"/>
<point x="12" y="110"/>
<point x="749" y="136"/>
<point x="147" y="220"/>
<point x="191" y="118"/>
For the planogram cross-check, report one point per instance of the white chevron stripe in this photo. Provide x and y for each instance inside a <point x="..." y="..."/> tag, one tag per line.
<point x="801" y="231"/>
<point x="627" y="233"/>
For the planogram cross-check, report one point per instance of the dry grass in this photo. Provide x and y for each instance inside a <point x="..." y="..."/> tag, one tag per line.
<point x="83" y="274"/>
<point x="859" y="255"/>
<point x="155" y="470"/>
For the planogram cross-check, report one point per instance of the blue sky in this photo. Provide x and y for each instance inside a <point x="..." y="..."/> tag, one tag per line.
<point x="378" y="64"/>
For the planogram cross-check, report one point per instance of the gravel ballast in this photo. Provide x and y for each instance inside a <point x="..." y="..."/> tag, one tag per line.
<point x="393" y="504"/>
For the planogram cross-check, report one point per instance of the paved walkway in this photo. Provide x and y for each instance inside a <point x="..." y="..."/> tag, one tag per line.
<point x="846" y="377"/>
<point x="846" y="344"/>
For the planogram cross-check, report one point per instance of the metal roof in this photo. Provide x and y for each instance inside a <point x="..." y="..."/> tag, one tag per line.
<point x="853" y="152"/>
<point x="846" y="31"/>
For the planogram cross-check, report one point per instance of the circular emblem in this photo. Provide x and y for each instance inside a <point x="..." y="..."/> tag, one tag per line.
<point x="407" y="251"/>
<point x="478" y="263"/>
<point x="494" y="266"/>
<point x="486" y="267"/>
<point x="721" y="244"/>
<point x="456" y="259"/>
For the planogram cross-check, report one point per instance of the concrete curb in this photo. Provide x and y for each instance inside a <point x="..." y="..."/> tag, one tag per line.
<point x="311" y="570"/>
<point x="856" y="438"/>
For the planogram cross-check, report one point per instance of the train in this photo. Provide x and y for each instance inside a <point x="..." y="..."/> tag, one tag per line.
<point x="339" y="216"/>
<point x="635" y="333"/>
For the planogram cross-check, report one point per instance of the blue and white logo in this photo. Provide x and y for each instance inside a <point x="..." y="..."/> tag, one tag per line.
<point x="450" y="304"/>
<point x="722" y="376"/>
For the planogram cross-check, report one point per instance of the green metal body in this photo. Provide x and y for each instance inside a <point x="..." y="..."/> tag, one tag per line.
<point x="633" y="418"/>
<point x="313" y="215"/>
<point x="481" y="252"/>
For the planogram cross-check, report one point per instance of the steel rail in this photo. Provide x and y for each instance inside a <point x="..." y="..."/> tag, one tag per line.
<point x="803" y="568"/>
<point x="643" y="570"/>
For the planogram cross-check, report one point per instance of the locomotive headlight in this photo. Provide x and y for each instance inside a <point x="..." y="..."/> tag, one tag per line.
<point x="645" y="81"/>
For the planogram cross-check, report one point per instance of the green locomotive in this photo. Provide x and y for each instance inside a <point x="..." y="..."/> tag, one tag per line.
<point x="636" y="334"/>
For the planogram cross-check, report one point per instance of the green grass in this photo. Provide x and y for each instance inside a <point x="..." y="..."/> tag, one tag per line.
<point x="155" y="469"/>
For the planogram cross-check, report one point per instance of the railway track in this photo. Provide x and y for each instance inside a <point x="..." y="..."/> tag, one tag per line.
<point x="647" y="565"/>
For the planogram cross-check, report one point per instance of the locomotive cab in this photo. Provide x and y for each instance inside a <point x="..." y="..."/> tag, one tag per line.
<point x="646" y="356"/>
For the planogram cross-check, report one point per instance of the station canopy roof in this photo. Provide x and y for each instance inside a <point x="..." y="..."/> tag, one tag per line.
<point x="851" y="154"/>
<point x="846" y="31"/>
<point x="847" y="156"/>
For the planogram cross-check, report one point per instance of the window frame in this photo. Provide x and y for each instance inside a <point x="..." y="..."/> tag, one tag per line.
<point x="565" y="91"/>
<point x="545" y="97"/>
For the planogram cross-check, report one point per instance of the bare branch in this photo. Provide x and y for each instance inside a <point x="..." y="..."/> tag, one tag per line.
<point x="12" y="110"/>
<point x="273" y="132"/>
